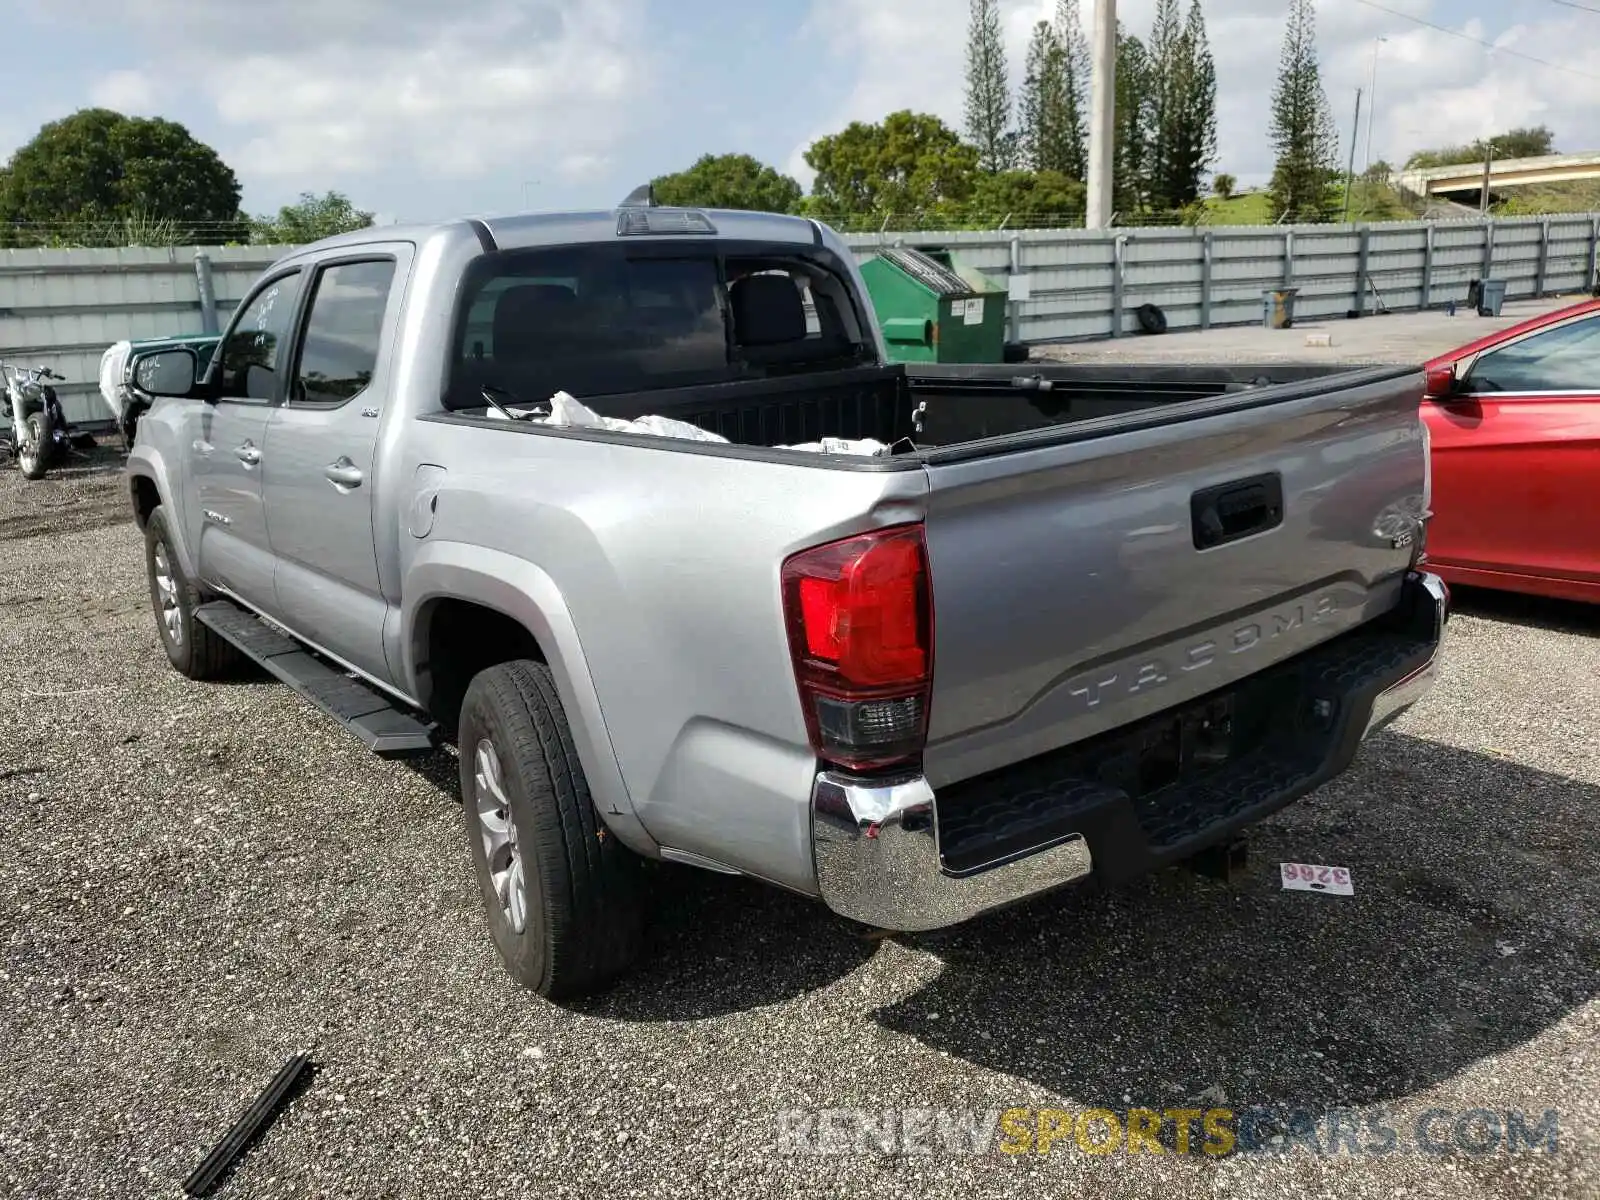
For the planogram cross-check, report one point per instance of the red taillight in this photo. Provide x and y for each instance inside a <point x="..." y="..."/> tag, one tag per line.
<point x="860" y="616"/>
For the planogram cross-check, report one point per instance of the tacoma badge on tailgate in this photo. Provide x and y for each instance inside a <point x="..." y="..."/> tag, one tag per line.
<point x="1303" y="624"/>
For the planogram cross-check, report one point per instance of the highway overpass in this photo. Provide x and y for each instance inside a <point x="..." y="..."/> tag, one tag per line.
<point x="1504" y="173"/>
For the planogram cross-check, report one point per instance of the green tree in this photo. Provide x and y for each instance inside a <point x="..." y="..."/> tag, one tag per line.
<point x="729" y="181"/>
<point x="1302" y="126"/>
<point x="1131" y="172"/>
<point x="1040" y="103"/>
<point x="310" y="219"/>
<point x="1183" y="106"/>
<point x="1050" y="121"/>
<point x="1514" y="143"/>
<point x="1025" y="195"/>
<point x="99" y="168"/>
<point x="910" y="164"/>
<point x="1224" y="185"/>
<point x="1196" y="149"/>
<point x="1074" y="154"/>
<point x="1164" y="89"/>
<point x="988" y="91"/>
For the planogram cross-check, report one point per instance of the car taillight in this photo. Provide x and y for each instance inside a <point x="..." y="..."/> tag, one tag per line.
<point x="860" y="616"/>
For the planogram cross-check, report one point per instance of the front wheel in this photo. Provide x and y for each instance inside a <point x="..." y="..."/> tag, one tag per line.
<point x="194" y="650"/>
<point x="37" y="445"/>
<point x="561" y="893"/>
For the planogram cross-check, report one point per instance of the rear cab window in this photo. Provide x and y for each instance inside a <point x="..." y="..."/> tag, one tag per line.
<point x="609" y="320"/>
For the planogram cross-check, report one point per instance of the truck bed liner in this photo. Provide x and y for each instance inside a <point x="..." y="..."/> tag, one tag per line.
<point x="869" y="402"/>
<point x="944" y="405"/>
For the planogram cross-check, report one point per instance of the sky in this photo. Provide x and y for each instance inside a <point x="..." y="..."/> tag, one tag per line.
<point x="421" y="110"/>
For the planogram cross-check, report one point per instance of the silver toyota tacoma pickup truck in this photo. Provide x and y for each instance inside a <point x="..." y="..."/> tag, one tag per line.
<point x="1067" y="622"/>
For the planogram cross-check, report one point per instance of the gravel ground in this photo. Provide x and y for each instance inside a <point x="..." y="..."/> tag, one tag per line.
<point x="199" y="880"/>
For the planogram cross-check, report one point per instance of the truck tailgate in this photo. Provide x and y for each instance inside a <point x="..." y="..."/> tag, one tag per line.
<point x="1087" y="577"/>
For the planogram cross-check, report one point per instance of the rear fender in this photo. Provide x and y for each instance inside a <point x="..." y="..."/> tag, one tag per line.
<point x="525" y="593"/>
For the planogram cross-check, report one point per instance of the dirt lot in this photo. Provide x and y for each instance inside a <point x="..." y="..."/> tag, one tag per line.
<point x="198" y="880"/>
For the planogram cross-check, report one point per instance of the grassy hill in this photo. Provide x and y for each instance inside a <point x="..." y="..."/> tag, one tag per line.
<point x="1373" y="200"/>
<point x="1578" y="195"/>
<point x="1369" y="201"/>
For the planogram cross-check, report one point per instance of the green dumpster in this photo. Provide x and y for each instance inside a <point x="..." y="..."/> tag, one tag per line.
<point x="934" y="309"/>
<point x="124" y="400"/>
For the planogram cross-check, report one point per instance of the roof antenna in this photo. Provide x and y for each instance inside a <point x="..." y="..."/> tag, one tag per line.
<point x="643" y="196"/>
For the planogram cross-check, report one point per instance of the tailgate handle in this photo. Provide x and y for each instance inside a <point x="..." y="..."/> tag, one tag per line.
<point x="1231" y="511"/>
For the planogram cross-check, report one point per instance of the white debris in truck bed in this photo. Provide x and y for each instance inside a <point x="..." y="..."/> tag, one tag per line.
<point x="570" y="412"/>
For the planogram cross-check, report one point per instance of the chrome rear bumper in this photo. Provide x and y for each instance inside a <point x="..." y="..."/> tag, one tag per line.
<point x="1393" y="701"/>
<point x="878" y="858"/>
<point x="876" y="841"/>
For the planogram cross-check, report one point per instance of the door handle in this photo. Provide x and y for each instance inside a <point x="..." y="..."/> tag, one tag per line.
<point x="247" y="453"/>
<point x="343" y="473"/>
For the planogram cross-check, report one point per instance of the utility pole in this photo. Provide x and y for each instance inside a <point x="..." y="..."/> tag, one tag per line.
<point x="1102" y="114"/>
<point x="1372" y="102"/>
<point x="1350" y="174"/>
<point x="1488" y="162"/>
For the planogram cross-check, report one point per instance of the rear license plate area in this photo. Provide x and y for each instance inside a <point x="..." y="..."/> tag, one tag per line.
<point x="1173" y="749"/>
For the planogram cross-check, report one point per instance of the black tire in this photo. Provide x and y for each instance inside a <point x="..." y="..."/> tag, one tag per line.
<point x="41" y="433"/>
<point x="1151" y="319"/>
<point x="194" y="650"/>
<point x="583" y="912"/>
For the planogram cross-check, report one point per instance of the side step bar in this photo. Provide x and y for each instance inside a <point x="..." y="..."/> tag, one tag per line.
<point x="387" y="730"/>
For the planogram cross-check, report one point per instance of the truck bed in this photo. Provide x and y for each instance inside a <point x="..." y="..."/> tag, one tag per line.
<point x="1151" y="534"/>
<point x="936" y="407"/>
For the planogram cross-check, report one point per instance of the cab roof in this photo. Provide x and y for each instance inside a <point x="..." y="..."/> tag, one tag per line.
<point x="523" y="230"/>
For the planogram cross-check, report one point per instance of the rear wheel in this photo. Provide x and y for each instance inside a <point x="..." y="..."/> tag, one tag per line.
<point x="562" y="894"/>
<point x="194" y="650"/>
<point x="37" y="445"/>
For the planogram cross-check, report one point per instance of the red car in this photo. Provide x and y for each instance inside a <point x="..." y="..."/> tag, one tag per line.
<point x="1514" y="418"/>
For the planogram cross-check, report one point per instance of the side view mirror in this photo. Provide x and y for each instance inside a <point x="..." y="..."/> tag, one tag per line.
<point x="167" y="373"/>
<point x="1441" y="383"/>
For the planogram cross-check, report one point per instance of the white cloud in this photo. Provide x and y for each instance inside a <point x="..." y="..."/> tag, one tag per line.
<point x="339" y="88"/>
<point x="131" y="92"/>
<point x="907" y="54"/>
<point x="1432" y="88"/>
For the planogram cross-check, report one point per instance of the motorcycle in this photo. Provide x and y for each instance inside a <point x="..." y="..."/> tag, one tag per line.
<point x="40" y="435"/>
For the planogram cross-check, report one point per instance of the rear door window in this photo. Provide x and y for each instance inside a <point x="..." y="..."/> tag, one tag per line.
<point x="343" y="331"/>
